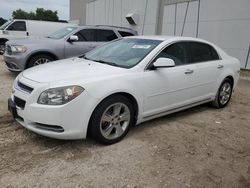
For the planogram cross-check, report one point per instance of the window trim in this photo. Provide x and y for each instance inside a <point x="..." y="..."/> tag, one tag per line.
<point x="148" y="66"/>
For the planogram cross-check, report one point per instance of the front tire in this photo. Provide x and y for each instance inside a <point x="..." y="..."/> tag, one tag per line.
<point x="39" y="60"/>
<point x="224" y="94"/>
<point x="112" y="119"/>
<point x="2" y="48"/>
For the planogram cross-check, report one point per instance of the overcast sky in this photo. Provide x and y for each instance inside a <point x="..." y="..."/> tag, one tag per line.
<point x="7" y="6"/>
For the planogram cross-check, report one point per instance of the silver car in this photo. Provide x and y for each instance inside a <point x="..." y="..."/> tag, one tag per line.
<point x="68" y="42"/>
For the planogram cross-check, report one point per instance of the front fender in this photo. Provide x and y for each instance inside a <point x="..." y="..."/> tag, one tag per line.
<point x="126" y="84"/>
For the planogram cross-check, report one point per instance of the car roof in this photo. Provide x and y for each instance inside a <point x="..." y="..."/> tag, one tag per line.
<point x="106" y="27"/>
<point x="167" y="38"/>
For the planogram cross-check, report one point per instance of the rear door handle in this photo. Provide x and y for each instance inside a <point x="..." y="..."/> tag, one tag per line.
<point x="189" y="71"/>
<point x="220" y="66"/>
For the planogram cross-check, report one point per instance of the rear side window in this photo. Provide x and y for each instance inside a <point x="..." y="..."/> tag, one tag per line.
<point x="86" y="35"/>
<point x="202" y="52"/>
<point x="17" y="26"/>
<point x="105" y="35"/>
<point x="125" y="34"/>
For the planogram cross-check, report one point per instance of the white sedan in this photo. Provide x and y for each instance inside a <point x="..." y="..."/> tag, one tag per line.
<point x="125" y="82"/>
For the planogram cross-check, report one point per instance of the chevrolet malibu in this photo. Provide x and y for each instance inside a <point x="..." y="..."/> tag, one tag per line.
<point x="125" y="82"/>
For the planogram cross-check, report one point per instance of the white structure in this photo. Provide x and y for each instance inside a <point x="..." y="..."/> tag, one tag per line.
<point x="224" y="22"/>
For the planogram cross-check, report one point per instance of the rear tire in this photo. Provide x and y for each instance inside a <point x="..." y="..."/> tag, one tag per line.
<point x="39" y="59"/>
<point x="224" y="94"/>
<point x="111" y="120"/>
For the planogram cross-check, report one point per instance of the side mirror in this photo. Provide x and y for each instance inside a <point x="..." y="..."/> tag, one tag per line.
<point x="163" y="63"/>
<point x="73" y="38"/>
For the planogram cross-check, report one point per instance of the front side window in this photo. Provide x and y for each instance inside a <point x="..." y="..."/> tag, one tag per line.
<point x="86" y="35"/>
<point x="176" y="52"/>
<point x="202" y="52"/>
<point x="62" y="32"/>
<point x="124" y="52"/>
<point x="105" y="35"/>
<point x="17" y="26"/>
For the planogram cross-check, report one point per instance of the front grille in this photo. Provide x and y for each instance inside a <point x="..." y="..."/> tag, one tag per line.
<point x="53" y="128"/>
<point x="24" y="87"/>
<point x="8" y="49"/>
<point x="19" y="102"/>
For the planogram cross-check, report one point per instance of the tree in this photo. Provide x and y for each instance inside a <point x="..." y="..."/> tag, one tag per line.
<point x="39" y="14"/>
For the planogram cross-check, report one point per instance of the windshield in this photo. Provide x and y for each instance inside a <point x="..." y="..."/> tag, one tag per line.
<point x="62" y="32"/>
<point x="2" y="27"/>
<point x="126" y="52"/>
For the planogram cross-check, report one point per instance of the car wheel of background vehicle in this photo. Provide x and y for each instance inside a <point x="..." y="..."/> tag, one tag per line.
<point x="112" y="119"/>
<point x="2" y="48"/>
<point x="39" y="60"/>
<point x="224" y="94"/>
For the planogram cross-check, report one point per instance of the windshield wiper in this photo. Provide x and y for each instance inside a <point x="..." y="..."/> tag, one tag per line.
<point x="84" y="57"/>
<point x="106" y="62"/>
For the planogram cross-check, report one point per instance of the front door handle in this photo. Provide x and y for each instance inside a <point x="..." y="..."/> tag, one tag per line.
<point x="189" y="71"/>
<point x="91" y="46"/>
<point x="220" y="66"/>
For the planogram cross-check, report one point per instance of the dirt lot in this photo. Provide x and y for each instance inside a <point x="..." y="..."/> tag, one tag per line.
<point x="200" y="147"/>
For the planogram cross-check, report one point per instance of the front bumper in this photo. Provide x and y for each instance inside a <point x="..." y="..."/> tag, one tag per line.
<point x="15" y="62"/>
<point x="69" y="121"/>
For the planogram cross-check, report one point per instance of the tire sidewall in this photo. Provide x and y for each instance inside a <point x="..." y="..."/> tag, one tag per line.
<point x="94" y="126"/>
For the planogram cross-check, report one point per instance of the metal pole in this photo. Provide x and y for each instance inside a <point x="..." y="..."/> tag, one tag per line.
<point x="198" y="18"/>
<point x="175" y="17"/>
<point x="121" y="13"/>
<point x="185" y="19"/>
<point x="247" y="57"/>
<point x="144" y="18"/>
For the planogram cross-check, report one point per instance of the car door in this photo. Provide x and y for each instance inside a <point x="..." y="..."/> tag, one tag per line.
<point x="17" y="28"/>
<point x="168" y="88"/>
<point x="205" y="68"/>
<point x="86" y="39"/>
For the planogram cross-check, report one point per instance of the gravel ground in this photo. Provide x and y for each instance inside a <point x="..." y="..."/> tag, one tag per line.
<point x="200" y="147"/>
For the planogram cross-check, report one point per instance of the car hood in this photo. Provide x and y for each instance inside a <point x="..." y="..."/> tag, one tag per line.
<point x="70" y="69"/>
<point x="30" y="41"/>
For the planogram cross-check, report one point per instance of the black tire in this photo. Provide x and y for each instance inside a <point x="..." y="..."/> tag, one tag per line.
<point x="218" y="102"/>
<point x="2" y="48"/>
<point x="95" y="124"/>
<point x="33" y="60"/>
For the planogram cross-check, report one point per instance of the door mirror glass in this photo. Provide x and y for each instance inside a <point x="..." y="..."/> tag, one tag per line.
<point x="73" y="38"/>
<point x="163" y="62"/>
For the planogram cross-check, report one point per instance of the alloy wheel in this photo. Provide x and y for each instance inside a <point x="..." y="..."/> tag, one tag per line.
<point x="41" y="61"/>
<point x="225" y="93"/>
<point x="115" y="121"/>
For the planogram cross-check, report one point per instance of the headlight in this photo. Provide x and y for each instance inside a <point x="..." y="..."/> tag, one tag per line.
<point x="18" y="49"/>
<point x="60" y="95"/>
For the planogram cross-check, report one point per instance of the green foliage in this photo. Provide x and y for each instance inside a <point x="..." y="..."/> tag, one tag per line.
<point x="39" y="14"/>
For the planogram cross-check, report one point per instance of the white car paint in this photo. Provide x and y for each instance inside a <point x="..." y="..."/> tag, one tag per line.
<point x="157" y="92"/>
